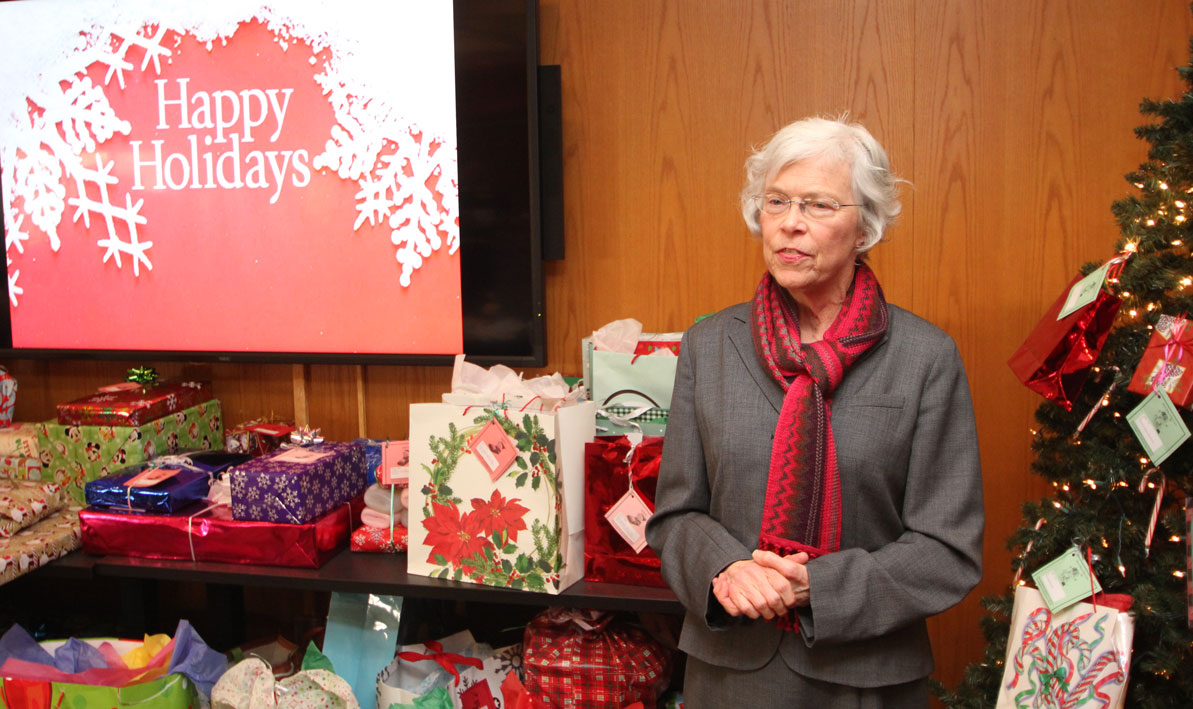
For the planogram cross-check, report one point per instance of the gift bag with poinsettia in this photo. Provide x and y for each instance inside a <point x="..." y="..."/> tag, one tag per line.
<point x="497" y="481"/>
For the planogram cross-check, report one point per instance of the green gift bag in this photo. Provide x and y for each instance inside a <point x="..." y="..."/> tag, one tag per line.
<point x="169" y="692"/>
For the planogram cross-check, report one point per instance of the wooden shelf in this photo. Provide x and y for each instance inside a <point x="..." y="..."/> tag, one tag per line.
<point x="363" y="573"/>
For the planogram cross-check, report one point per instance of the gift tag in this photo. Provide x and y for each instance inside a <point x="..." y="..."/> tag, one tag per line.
<point x="151" y="477"/>
<point x="270" y="429"/>
<point x="1158" y="426"/>
<point x="301" y="455"/>
<point x="1084" y="291"/>
<point x="119" y="387"/>
<point x="395" y="463"/>
<point x="628" y="516"/>
<point x="494" y="449"/>
<point x="1173" y="373"/>
<point x="1066" y="580"/>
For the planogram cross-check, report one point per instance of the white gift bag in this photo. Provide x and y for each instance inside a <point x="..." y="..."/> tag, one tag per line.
<point x="1078" y="656"/>
<point x="497" y="492"/>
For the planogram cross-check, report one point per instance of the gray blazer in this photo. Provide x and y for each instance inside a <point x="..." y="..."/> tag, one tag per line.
<point x="911" y="493"/>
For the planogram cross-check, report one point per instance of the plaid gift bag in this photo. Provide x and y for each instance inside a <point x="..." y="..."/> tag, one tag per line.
<point x="577" y="659"/>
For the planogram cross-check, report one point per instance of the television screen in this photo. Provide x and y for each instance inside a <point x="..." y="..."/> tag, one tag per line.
<point x="289" y="180"/>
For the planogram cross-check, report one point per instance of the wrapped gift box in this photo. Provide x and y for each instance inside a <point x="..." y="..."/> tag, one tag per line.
<point x="212" y="534"/>
<point x="296" y="485"/>
<point x="589" y="659"/>
<point x="131" y="404"/>
<point x="38" y="545"/>
<point x="12" y="468"/>
<point x="75" y="455"/>
<point x="26" y="502"/>
<point x="608" y="556"/>
<point x="19" y="440"/>
<point x="257" y="437"/>
<point x="1170" y="349"/>
<point x="189" y="478"/>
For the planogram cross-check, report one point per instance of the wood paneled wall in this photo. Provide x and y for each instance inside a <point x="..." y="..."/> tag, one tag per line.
<point x="1012" y="120"/>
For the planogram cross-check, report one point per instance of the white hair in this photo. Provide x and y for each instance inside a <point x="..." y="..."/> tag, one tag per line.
<point x="874" y="186"/>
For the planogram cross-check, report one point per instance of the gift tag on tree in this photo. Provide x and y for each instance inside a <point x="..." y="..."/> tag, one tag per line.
<point x="628" y="516"/>
<point x="1085" y="291"/>
<point x="494" y="449"/>
<point x="1158" y="426"/>
<point x="1066" y="580"/>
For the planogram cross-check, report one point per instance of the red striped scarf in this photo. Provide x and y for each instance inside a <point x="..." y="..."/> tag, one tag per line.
<point x="803" y="493"/>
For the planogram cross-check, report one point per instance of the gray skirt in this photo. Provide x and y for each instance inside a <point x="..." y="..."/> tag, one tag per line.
<point x="775" y="684"/>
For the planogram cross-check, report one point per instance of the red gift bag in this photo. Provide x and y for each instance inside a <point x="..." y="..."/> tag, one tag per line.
<point x="607" y="474"/>
<point x="1056" y="358"/>
<point x="574" y="659"/>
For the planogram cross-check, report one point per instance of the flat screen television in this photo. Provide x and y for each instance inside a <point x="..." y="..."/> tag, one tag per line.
<point x="302" y="181"/>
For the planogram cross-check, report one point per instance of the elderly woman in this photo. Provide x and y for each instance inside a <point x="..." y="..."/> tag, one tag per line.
<point x="820" y="492"/>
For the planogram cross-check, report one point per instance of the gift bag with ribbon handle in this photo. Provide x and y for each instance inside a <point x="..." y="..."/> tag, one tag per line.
<point x="1056" y="358"/>
<point x="418" y="669"/>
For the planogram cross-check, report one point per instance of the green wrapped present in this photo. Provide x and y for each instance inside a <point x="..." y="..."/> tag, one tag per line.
<point x="76" y="455"/>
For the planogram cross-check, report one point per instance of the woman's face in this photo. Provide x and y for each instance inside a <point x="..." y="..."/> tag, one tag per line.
<point x="811" y="257"/>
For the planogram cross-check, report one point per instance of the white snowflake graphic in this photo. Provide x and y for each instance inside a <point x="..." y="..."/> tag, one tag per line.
<point x="71" y="118"/>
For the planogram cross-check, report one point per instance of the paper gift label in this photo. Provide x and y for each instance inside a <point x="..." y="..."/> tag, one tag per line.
<point x="122" y="386"/>
<point x="151" y="477"/>
<point x="1084" y="291"/>
<point x="395" y="463"/>
<point x="494" y="448"/>
<point x="1158" y="426"/>
<point x="301" y="455"/>
<point x="628" y="516"/>
<point x="1066" y="580"/>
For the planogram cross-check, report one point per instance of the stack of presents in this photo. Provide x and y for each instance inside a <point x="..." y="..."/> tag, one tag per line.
<point x="528" y="484"/>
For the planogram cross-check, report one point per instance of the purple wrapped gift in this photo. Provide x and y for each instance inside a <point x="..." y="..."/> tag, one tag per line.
<point x="189" y="478"/>
<point x="296" y="485"/>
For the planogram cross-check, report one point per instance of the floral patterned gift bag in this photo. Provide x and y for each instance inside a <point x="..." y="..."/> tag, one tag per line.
<point x="497" y="492"/>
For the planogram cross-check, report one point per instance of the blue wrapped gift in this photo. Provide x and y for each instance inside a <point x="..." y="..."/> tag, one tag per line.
<point x="189" y="478"/>
<point x="372" y="456"/>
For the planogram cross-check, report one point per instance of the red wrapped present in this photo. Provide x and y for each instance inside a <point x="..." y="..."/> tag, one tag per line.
<point x="1056" y="358"/>
<point x="367" y="538"/>
<point x="211" y="534"/>
<point x="608" y="554"/>
<point x="1169" y="358"/>
<point x="576" y="659"/>
<point x="258" y="437"/>
<point x="132" y="404"/>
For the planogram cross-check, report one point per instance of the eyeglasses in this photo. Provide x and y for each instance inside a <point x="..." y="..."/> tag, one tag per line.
<point x="777" y="205"/>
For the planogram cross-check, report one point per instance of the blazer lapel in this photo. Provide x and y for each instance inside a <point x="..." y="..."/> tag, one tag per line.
<point x="743" y="341"/>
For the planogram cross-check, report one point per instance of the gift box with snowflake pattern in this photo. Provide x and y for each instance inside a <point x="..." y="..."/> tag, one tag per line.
<point x="296" y="485"/>
<point x="76" y="455"/>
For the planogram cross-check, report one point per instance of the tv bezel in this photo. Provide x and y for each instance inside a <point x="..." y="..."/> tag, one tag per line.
<point x="526" y="346"/>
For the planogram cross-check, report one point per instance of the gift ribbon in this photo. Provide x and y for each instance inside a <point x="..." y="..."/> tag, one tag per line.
<point x="306" y="436"/>
<point x="190" y="538"/>
<point x="1151" y="525"/>
<point x="446" y="660"/>
<point x="145" y="376"/>
<point x="285" y="509"/>
<point x="1174" y="346"/>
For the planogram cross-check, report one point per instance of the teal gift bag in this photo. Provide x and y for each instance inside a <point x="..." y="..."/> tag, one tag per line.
<point x="361" y="637"/>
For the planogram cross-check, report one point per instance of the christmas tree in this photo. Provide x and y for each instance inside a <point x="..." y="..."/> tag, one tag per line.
<point x="1107" y="492"/>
